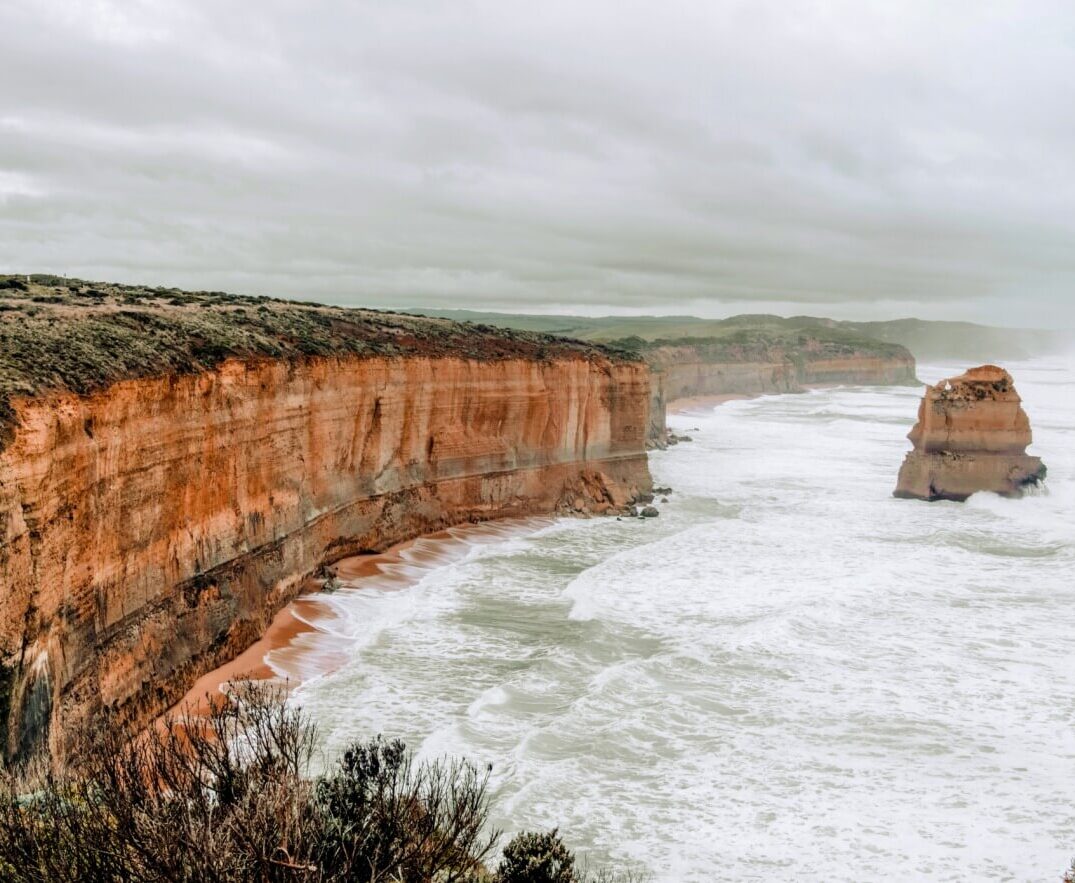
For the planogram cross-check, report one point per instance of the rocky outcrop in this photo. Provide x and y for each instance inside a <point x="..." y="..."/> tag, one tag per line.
<point x="150" y="531"/>
<point x="971" y="435"/>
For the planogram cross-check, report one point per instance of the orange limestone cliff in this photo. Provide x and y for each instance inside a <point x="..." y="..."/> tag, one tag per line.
<point x="151" y="527"/>
<point x="765" y="363"/>
<point x="971" y="435"/>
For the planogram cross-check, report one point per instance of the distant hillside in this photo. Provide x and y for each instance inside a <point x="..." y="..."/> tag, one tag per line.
<point x="964" y="340"/>
<point x="926" y="340"/>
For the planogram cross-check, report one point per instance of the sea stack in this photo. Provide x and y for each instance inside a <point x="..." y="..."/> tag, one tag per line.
<point x="971" y="435"/>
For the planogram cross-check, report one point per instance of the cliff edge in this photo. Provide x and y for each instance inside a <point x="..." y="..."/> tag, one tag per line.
<point x="759" y="361"/>
<point x="175" y="465"/>
<point x="971" y="435"/>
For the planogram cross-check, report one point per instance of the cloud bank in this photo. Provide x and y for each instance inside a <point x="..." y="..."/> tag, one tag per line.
<point x="855" y="158"/>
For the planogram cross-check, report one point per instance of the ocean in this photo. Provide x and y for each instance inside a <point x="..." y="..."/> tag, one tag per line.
<point x="788" y="675"/>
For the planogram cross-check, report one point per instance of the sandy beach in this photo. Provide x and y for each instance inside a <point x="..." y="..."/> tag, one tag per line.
<point x="397" y="568"/>
<point x="703" y="403"/>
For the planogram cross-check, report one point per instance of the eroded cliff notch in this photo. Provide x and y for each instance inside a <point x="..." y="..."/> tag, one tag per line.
<point x="971" y="435"/>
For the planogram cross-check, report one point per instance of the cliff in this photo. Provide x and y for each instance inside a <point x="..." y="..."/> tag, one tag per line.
<point x="971" y="435"/>
<point x="741" y="355"/>
<point x="174" y="466"/>
<point x="756" y="364"/>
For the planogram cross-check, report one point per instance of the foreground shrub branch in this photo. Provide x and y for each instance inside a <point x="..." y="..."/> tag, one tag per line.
<point x="228" y="798"/>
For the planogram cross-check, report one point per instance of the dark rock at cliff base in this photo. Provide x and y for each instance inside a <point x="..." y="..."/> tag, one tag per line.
<point x="971" y="435"/>
<point x="650" y="512"/>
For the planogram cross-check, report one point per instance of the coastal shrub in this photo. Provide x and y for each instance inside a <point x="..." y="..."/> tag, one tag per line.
<point x="537" y="858"/>
<point x="380" y="817"/>
<point x="227" y="797"/>
<point x="533" y="857"/>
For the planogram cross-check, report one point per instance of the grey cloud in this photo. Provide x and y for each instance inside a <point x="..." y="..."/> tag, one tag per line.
<point x="850" y="157"/>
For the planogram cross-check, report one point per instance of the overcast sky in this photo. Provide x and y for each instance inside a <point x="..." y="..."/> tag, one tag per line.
<point x="849" y="158"/>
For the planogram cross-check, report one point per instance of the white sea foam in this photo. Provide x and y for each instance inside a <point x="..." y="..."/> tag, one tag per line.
<point x="790" y="674"/>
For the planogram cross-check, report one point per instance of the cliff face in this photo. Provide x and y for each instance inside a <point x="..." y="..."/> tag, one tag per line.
<point x="686" y="369"/>
<point x="149" y="531"/>
<point x="971" y="435"/>
<point x="695" y="370"/>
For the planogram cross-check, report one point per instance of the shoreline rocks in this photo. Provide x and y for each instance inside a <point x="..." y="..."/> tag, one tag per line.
<point x="971" y="436"/>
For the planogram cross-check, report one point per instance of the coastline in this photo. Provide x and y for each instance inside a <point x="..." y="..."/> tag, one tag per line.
<point x="303" y="621"/>
<point x="285" y="648"/>
<point x="694" y="403"/>
<point x="299" y="621"/>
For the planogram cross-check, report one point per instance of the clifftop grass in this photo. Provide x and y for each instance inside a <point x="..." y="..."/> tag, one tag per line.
<point x="79" y="336"/>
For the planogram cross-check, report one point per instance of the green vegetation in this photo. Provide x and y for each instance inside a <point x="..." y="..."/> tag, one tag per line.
<point x="536" y="858"/>
<point x="67" y="334"/>
<point x="228" y="798"/>
<point x="737" y="343"/>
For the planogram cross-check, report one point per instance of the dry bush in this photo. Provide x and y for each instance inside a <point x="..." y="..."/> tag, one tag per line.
<point x="227" y="798"/>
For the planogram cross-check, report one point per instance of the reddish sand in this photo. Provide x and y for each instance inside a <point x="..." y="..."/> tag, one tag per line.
<point x="695" y="404"/>
<point x="295" y="619"/>
<point x="287" y="626"/>
<point x="290" y="623"/>
<point x="699" y="403"/>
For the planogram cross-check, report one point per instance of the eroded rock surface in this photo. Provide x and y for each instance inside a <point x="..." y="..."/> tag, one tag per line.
<point x="693" y="368"/>
<point x="971" y="435"/>
<point x="150" y="531"/>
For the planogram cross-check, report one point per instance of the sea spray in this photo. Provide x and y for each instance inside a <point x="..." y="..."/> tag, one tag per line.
<point x="788" y="673"/>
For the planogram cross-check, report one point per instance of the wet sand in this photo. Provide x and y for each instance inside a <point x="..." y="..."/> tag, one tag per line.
<point x="698" y="404"/>
<point x="703" y="403"/>
<point x="297" y="645"/>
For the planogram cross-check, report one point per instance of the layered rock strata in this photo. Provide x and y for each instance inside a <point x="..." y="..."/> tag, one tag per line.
<point x="687" y="369"/>
<point x="971" y="436"/>
<point x="151" y="528"/>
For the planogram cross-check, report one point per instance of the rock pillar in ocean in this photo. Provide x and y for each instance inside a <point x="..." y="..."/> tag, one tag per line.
<point x="971" y="435"/>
